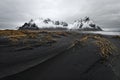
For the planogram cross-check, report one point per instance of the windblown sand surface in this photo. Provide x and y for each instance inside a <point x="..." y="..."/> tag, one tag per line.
<point x="58" y="55"/>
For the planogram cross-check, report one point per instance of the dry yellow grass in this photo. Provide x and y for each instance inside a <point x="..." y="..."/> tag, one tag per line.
<point x="61" y="33"/>
<point x="76" y="43"/>
<point x="12" y="35"/>
<point x="10" y="32"/>
<point x="117" y="37"/>
<point x="84" y="38"/>
<point x="15" y="36"/>
<point x="105" y="46"/>
<point x="32" y="35"/>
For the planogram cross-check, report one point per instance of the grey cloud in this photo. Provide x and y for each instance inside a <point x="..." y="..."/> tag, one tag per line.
<point x="15" y="12"/>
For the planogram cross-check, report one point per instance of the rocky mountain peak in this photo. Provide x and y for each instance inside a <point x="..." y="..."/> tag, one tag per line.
<point x="85" y="24"/>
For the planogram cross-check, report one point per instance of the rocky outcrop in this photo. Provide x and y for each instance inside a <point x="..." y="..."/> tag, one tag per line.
<point x="46" y="21"/>
<point x="64" y="24"/>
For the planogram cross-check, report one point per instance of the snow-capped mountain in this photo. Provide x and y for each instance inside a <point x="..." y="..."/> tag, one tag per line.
<point x="44" y="23"/>
<point x="85" y="24"/>
<point x="80" y="24"/>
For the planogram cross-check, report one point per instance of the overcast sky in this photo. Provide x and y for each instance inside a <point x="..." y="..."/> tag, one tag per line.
<point x="14" y="13"/>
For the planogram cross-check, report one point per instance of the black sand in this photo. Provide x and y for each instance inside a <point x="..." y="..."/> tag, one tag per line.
<point x="59" y="62"/>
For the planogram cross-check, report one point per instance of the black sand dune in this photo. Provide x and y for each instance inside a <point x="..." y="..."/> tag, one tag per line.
<point x="66" y="59"/>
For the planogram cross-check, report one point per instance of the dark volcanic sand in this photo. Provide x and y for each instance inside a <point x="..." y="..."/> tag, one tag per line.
<point x="57" y="62"/>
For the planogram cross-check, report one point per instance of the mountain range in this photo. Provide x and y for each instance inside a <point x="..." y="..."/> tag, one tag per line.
<point x="81" y="24"/>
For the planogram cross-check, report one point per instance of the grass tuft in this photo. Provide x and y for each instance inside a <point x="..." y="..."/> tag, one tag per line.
<point x="105" y="46"/>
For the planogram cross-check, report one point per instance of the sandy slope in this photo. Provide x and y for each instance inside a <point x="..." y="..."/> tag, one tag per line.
<point x="83" y="63"/>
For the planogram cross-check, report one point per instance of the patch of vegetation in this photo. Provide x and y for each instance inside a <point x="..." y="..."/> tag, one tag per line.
<point x="14" y="39"/>
<point x="10" y="32"/>
<point x="105" y="46"/>
<point x="13" y="35"/>
<point x="84" y="38"/>
<point x="48" y="39"/>
<point x="61" y="33"/>
<point x="117" y="37"/>
<point x="28" y="37"/>
<point x="79" y="43"/>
